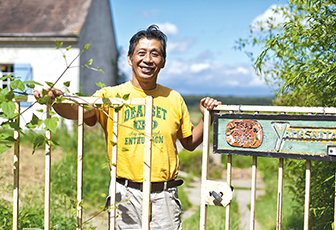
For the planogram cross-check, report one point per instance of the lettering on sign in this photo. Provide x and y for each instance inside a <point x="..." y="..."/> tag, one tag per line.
<point x="244" y="133"/>
<point x="286" y="132"/>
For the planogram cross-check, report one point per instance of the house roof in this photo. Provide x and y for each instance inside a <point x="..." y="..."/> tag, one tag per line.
<point x="33" y="18"/>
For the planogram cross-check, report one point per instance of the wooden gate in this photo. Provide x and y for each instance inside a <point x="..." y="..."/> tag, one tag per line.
<point x="148" y="102"/>
<point x="306" y="133"/>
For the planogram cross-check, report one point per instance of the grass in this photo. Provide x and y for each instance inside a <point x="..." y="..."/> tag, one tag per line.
<point x="266" y="205"/>
<point x="215" y="218"/>
<point x="95" y="187"/>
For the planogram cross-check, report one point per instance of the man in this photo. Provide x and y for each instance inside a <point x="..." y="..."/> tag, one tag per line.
<point x="171" y="121"/>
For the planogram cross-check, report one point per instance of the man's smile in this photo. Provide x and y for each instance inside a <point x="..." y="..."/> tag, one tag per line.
<point x="146" y="69"/>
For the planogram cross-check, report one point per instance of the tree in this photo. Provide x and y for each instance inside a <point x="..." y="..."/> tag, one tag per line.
<point x="298" y="59"/>
<point x="298" y="62"/>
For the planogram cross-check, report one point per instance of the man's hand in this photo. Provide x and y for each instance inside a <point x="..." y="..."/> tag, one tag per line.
<point x="191" y="142"/>
<point x="52" y="93"/>
<point x="209" y="104"/>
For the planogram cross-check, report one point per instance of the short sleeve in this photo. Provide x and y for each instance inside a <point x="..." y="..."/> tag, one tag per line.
<point x="186" y="125"/>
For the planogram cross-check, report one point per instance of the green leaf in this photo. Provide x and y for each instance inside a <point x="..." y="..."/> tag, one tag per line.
<point x="68" y="48"/>
<point x="4" y="148"/>
<point x="118" y="108"/>
<point x="100" y="70"/>
<point x="124" y="149"/>
<point x="17" y="84"/>
<point x="34" y="122"/>
<point x="50" y="84"/>
<point x="55" y="143"/>
<point x="59" y="100"/>
<point x="100" y="85"/>
<point x="126" y="97"/>
<point x="15" y="126"/>
<point x="113" y="143"/>
<point x="10" y="76"/>
<point x="118" y="95"/>
<point x="44" y="92"/>
<point x="6" y="95"/>
<point x="67" y="83"/>
<point x="44" y="100"/>
<point x="6" y="138"/>
<point x="86" y="46"/>
<point x="81" y="203"/>
<point x="51" y="124"/>
<point x="86" y="107"/>
<point x="8" y="107"/>
<point x="31" y="86"/>
<point x="106" y="101"/>
<point x="80" y="94"/>
<point x="104" y="166"/>
<point x="90" y="62"/>
<point x="40" y="140"/>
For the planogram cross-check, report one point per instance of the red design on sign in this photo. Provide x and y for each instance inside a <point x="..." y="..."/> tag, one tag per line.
<point x="244" y="133"/>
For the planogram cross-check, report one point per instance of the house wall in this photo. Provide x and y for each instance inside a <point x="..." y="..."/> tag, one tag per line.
<point x="47" y="65"/>
<point x="99" y="33"/>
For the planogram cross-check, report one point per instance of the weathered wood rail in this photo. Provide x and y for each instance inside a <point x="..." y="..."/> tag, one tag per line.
<point x="147" y="102"/>
<point x="240" y="110"/>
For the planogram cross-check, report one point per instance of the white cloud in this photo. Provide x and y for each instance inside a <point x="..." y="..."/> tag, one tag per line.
<point x="277" y="17"/>
<point x="148" y="14"/>
<point x="179" y="46"/>
<point x="212" y="78"/>
<point x="195" y="68"/>
<point x="206" y="77"/>
<point x="168" y="28"/>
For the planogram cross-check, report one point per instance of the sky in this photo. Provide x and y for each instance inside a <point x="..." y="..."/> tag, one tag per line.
<point x="201" y="59"/>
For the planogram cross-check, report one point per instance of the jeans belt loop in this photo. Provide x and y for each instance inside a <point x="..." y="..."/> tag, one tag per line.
<point x="165" y="185"/>
<point x="126" y="182"/>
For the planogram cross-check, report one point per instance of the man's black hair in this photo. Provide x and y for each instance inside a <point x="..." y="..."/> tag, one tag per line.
<point x="152" y="32"/>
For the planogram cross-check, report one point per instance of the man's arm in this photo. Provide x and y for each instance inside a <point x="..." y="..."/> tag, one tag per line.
<point x="67" y="110"/>
<point x="190" y="143"/>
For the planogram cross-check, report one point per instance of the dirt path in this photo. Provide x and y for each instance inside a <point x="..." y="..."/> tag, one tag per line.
<point x="32" y="172"/>
<point x="242" y="191"/>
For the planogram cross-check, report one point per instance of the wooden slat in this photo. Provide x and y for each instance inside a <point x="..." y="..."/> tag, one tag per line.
<point x="113" y="182"/>
<point x="228" y="180"/>
<point x="16" y="173"/>
<point x="94" y="100"/>
<point x="80" y="167"/>
<point x="335" y="204"/>
<point x="278" y="109"/>
<point x="47" y="177"/>
<point x="147" y="167"/>
<point x="253" y="193"/>
<point x="205" y="166"/>
<point x="307" y="196"/>
<point x="280" y="194"/>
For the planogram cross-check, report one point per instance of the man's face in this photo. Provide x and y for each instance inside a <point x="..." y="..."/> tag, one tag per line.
<point x="147" y="60"/>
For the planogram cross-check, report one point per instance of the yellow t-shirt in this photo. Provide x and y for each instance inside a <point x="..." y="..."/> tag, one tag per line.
<point x="170" y="121"/>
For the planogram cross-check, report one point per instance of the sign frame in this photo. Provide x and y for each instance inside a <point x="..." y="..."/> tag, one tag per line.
<point x="280" y="118"/>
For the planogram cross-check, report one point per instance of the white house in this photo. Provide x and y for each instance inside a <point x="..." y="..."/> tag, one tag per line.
<point x="29" y="28"/>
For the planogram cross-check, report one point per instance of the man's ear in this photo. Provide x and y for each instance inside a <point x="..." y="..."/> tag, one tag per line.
<point x="163" y="64"/>
<point x="129" y="60"/>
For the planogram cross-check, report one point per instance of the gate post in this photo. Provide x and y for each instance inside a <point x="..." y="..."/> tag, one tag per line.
<point x="80" y="167"/>
<point x="205" y="165"/>
<point x="47" y="176"/>
<point x="16" y="171"/>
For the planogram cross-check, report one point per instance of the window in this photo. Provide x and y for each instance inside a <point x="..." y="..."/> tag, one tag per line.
<point x="21" y="70"/>
<point x="5" y="69"/>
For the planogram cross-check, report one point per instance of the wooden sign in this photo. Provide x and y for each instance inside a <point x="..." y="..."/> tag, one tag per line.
<point x="310" y="137"/>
